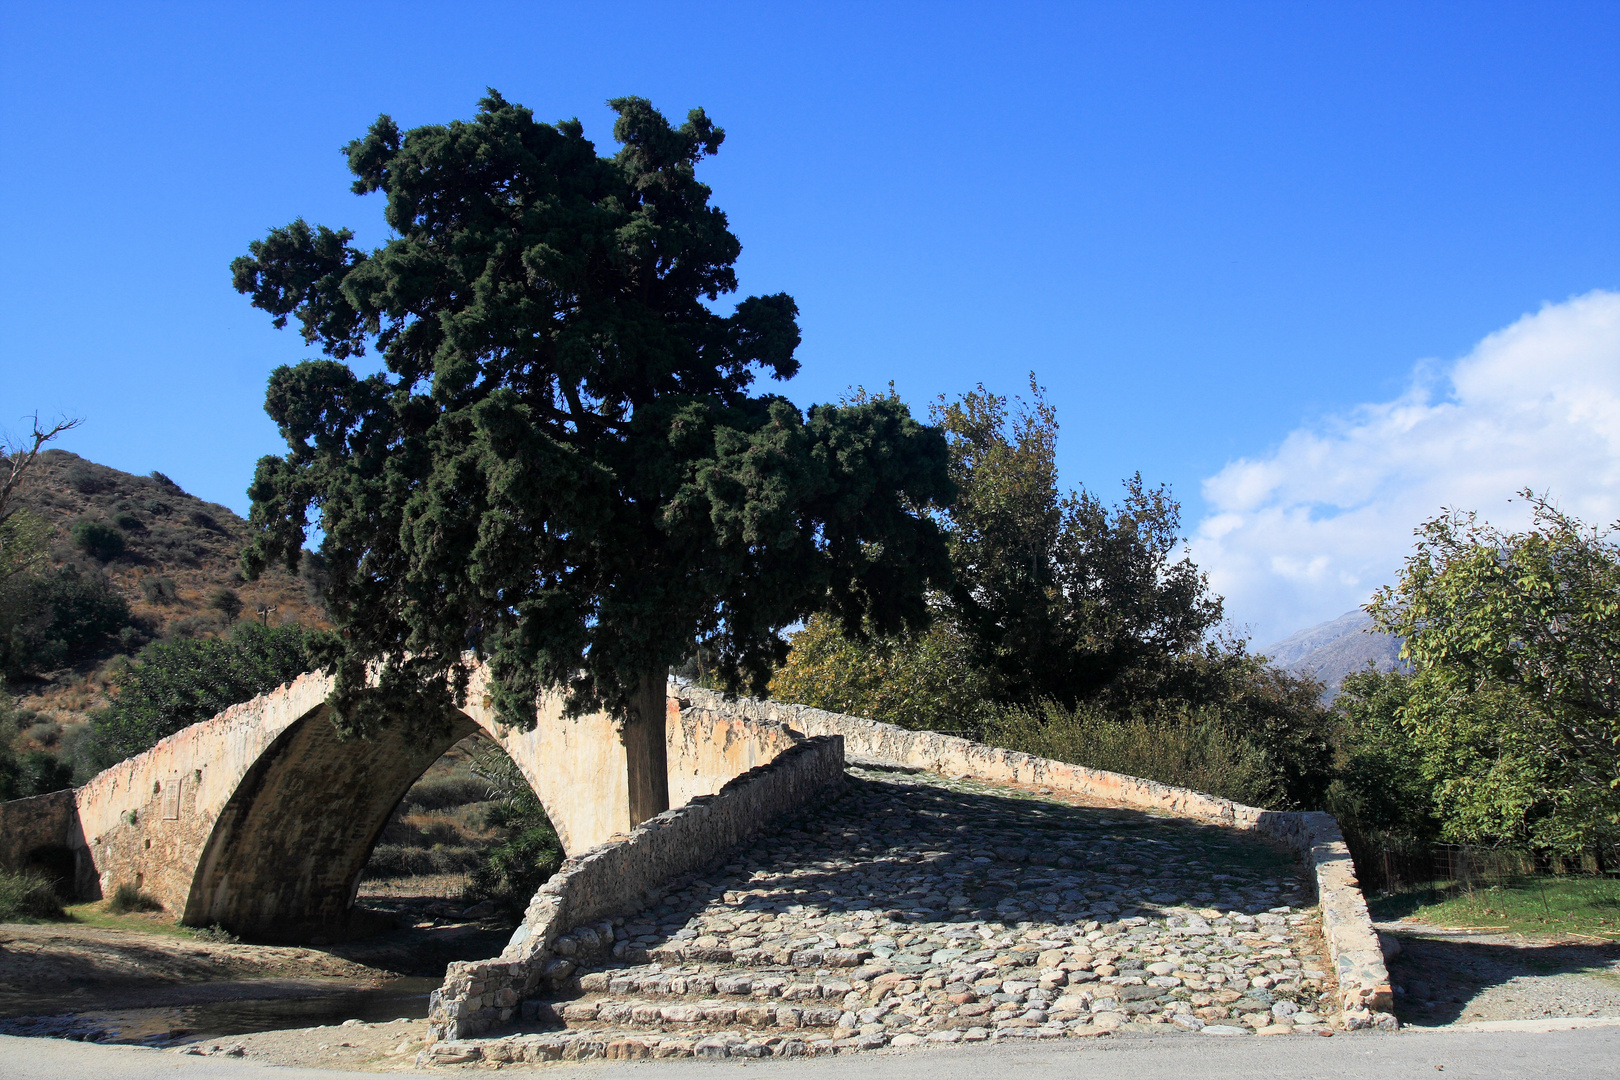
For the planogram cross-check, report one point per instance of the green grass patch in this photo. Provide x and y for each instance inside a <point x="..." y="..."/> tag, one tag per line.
<point x="95" y="913"/>
<point x="1535" y="906"/>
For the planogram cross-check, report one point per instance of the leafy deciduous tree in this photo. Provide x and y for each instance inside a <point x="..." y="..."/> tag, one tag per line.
<point x="1515" y="704"/>
<point x="925" y="680"/>
<point x="1063" y="597"/>
<point x="184" y="682"/>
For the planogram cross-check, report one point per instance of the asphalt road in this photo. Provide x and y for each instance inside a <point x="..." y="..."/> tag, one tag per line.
<point x="1590" y="1052"/>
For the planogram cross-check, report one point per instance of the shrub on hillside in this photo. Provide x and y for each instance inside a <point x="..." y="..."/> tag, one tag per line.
<point x="48" y="621"/>
<point x="177" y="684"/>
<point x="158" y="589"/>
<point x="225" y="600"/>
<point x="98" y="540"/>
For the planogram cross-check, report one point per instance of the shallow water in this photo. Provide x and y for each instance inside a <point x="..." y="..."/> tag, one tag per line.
<point x="167" y="1025"/>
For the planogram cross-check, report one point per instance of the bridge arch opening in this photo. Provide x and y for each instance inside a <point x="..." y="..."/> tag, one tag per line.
<point x="285" y="857"/>
<point x="469" y="830"/>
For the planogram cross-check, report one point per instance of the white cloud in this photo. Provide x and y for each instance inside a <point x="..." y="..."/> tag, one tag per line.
<point x="1309" y="530"/>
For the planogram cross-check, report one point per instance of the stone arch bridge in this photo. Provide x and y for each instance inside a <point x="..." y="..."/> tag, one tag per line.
<point x="261" y="819"/>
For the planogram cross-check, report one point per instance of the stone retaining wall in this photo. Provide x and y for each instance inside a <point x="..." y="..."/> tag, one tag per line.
<point x="570" y="918"/>
<point x="42" y="834"/>
<point x="1358" y="960"/>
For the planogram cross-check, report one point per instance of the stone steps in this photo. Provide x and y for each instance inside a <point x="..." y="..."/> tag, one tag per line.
<point x="709" y="1013"/>
<point x="718" y="966"/>
<point x="699" y="982"/>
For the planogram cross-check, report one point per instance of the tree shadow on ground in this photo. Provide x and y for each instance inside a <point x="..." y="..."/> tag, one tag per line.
<point x="994" y="846"/>
<point x="1437" y="980"/>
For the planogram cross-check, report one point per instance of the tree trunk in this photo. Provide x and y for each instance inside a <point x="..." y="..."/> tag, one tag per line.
<point x="645" y="755"/>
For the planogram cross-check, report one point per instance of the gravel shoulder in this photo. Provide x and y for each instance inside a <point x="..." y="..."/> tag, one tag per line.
<point x="1444" y="978"/>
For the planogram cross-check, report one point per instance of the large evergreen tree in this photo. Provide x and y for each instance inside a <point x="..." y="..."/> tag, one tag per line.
<point x="562" y="468"/>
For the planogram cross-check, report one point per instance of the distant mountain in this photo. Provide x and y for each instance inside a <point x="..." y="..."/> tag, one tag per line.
<point x="1329" y="651"/>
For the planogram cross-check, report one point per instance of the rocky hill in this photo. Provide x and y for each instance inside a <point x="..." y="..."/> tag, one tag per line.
<point x="1329" y="651"/>
<point x="177" y="565"/>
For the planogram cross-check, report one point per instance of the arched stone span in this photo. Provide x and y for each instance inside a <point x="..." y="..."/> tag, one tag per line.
<point x="285" y="856"/>
<point x="261" y="819"/>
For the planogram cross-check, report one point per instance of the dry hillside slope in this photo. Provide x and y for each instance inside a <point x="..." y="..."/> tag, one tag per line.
<point x="178" y="569"/>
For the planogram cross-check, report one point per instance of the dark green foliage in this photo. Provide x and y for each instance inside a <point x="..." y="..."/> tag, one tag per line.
<point x="10" y="722"/>
<point x="315" y="575"/>
<point x="562" y="466"/>
<point x="1068" y="616"/>
<point x="1062" y="597"/>
<point x="514" y="869"/>
<point x="128" y="522"/>
<point x="1380" y="790"/>
<point x="50" y="620"/>
<point x="84" y="480"/>
<point x="204" y="520"/>
<point x="127" y="898"/>
<point x="166" y="482"/>
<point x="98" y="540"/>
<point x="40" y="772"/>
<point x="180" y="683"/>
<point x="224" y="599"/>
<point x="27" y="895"/>
<point x="158" y="588"/>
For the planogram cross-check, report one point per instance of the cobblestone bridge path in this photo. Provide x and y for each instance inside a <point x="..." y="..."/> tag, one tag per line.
<point x="916" y="908"/>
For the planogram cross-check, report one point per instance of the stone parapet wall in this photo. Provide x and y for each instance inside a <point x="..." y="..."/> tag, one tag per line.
<point x="569" y="919"/>
<point x="949" y="755"/>
<point x="1346" y="924"/>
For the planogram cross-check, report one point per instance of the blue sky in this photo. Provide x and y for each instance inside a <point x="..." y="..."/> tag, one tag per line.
<point x="1212" y="230"/>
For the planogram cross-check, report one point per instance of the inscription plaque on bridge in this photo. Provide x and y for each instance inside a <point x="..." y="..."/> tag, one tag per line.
<point x="171" y="800"/>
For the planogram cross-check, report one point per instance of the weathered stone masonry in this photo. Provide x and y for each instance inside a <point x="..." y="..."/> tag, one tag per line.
<point x="1358" y="960"/>
<point x="261" y="819"/>
<point x="623" y="876"/>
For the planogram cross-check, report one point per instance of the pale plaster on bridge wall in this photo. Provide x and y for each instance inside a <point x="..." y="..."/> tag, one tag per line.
<point x="261" y="819"/>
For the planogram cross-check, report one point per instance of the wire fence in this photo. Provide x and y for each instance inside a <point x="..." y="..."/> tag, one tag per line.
<point x="1385" y="864"/>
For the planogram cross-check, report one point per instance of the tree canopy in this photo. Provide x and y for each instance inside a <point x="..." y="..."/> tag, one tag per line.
<point x="1053" y="597"/>
<point x="561" y="466"/>
<point x="173" y="685"/>
<point x="1514" y="706"/>
<point x="1063" y="597"/>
